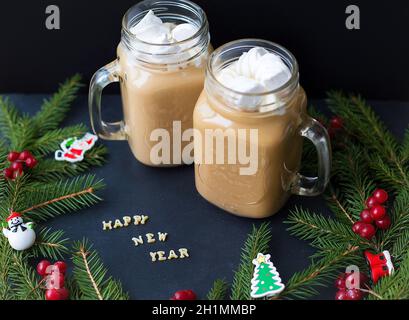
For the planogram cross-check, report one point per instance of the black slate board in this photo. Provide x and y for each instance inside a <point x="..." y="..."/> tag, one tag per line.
<point x="168" y="196"/>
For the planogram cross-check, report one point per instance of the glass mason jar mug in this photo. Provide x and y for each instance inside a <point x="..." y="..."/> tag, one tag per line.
<point x="159" y="83"/>
<point x="251" y="166"/>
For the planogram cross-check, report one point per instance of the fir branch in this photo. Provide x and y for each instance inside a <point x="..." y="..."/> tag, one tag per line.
<point x="54" y="109"/>
<point x="303" y="284"/>
<point x="323" y="232"/>
<point x="256" y="242"/>
<point x="6" y="292"/>
<point x="336" y="203"/>
<point x="52" y="245"/>
<point x="404" y="150"/>
<point x="91" y="275"/>
<point x="219" y="290"/>
<point x="47" y="201"/>
<point x="23" y="278"/>
<point x="51" y="170"/>
<point x="399" y="223"/>
<point x="51" y="140"/>
<point x="9" y="119"/>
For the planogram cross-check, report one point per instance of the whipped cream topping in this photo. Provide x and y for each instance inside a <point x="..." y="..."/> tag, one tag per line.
<point x="257" y="71"/>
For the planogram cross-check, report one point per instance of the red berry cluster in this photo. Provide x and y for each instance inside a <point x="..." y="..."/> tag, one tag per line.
<point x="17" y="162"/>
<point x="335" y="124"/>
<point x="350" y="292"/>
<point x="184" y="295"/>
<point x="374" y="213"/>
<point x="55" y="283"/>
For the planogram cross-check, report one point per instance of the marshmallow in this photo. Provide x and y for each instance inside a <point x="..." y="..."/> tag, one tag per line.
<point x="183" y="31"/>
<point x="247" y="85"/>
<point x="256" y="71"/>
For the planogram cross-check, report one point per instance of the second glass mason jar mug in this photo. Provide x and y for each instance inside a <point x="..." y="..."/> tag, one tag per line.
<point x="260" y="186"/>
<point x="160" y="83"/>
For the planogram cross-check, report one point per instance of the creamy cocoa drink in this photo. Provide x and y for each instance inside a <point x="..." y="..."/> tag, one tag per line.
<point x="254" y="105"/>
<point x="160" y="65"/>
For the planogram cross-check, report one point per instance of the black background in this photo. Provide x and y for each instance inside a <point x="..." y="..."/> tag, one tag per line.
<point x="373" y="61"/>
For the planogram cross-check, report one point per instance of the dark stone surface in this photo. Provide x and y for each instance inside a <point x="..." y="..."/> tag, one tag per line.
<point x="168" y="196"/>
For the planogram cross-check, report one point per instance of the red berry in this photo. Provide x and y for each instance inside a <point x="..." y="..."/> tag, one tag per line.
<point x="341" y="295"/>
<point x="377" y="212"/>
<point x="383" y="223"/>
<point x="61" y="266"/>
<point x="42" y="267"/>
<point x="184" y="295"/>
<point x="380" y="195"/>
<point x="31" y="162"/>
<point x="367" y="231"/>
<point x="340" y="282"/>
<point x="350" y="280"/>
<point x="64" y="293"/>
<point x="336" y="122"/>
<point x="354" y="294"/>
<point x="57" y="294"/>
<point x="17" y="166"/>
<point x="55" y="281"/>
<point x="24" y="155"/>
<point x="370" y="202"/>
<point x="52" y="294"/>
<point x="8" y="173"/>
<point x="365" y="216"/>
<point x="357" y="226"/>
<point x="13" y="156"/>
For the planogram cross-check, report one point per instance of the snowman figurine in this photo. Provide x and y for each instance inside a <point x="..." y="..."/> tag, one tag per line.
<point x="21" y="235"/>
<point x="73" y="149"/>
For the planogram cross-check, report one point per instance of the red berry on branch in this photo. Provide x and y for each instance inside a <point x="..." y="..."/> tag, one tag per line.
<point x="370" y="202"/>
<point x="367" y="231"/>
<point x="336" y="122"/>
<point x="56" y="281"/>
<point x="8" y="173"/>
<point x="57" y="294"/>
<point x="383" y="223"/>
<point x="52" y="294"/>
<point x="354" y="294"/>
<point x="357" y="226"/>
<point x="377" y="212"/>
<point x="24" y="155"/>
<point x="341" y="295"/>
<point x="340" y="281"/>
<point x="184" y="295"/>
<point x="42" y="267"/>
<point x="365" y="216"/>
<point x="356" y="281"/>
<point x="61" y="266"/>
<point x="31" y="162"/>
<point x="17" y="166"/>
<point x="13" y="156"/>
<point x="380" y="195"/>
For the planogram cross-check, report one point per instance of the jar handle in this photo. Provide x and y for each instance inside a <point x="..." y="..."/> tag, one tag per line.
<point x="103" y="77"/>
<point x="318" y="135"/>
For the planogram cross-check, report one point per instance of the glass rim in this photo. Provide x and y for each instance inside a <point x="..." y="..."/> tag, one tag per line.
<point x="200" y="12"/>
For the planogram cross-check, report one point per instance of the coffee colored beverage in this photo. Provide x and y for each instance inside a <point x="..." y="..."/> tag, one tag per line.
<point x="160" y="65"/>
<point x="154" y="99"/>
<point x="260" y="186"/>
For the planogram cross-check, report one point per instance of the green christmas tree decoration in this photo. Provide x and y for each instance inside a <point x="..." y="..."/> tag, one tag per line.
<point x="266" y="281"/>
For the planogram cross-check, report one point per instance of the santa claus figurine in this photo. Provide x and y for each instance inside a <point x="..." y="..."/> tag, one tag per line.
<point x="380" y="265"/>
<point x="21" y="235"/>
<point x="73" y="149"/>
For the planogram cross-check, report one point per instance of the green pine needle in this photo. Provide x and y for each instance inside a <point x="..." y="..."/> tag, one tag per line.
<point x="218" y="290"/>
<point x="257" y="242"/>
<point x="91" y="275"/>
<point x="49" y="244"/>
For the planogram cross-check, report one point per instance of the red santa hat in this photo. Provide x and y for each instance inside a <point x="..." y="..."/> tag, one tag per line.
<point x="13" y="215"/>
